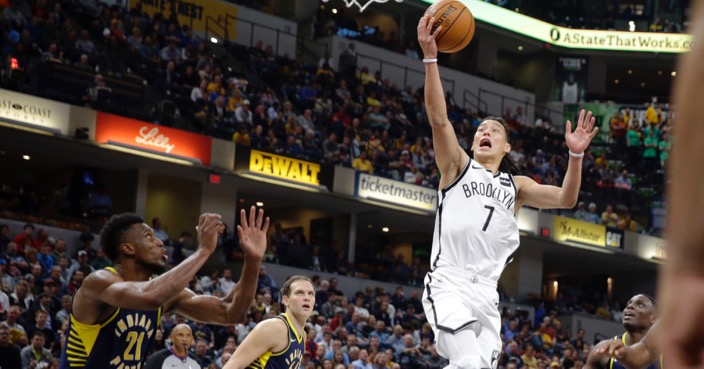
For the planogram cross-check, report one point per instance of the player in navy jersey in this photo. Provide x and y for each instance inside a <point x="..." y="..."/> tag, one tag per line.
<point x="476" y="233"/>
<point x="279" y="343"/>
<point x="116" y="311"/>
<point x="639" y="316"/>
<point x="638" y="355"/>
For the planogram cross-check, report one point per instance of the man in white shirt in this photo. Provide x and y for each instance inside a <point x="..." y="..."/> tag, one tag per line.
<point x="226" y="282"/>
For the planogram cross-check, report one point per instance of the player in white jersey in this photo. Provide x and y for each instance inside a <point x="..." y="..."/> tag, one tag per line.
<point x="475" y="230"/>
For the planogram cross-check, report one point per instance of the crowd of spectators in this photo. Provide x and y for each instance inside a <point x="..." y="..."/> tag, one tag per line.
<point x="370" y="328"/>
<point x="326" y="112"/>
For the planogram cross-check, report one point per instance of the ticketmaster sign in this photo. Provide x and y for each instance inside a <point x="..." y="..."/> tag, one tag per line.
<point x="396" y="192"/>
<point x="577" y="38"/>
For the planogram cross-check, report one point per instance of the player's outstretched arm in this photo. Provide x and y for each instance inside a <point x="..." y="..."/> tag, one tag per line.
<point x="550" y="197"/>
<point x="267" y="336"/>
<point x="596" y="360"/>
<point x="108" y="288"/>
<point x="449" y="156"/>
<point x="636" y="356"/>
<point x="681" y="285"/>
<point x="232" y="308"/>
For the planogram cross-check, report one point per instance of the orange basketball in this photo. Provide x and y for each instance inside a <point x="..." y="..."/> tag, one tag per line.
<point x="457" y="25"/>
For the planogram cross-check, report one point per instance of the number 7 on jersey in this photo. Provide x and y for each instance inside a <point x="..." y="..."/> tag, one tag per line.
<point x="488" y="218"/>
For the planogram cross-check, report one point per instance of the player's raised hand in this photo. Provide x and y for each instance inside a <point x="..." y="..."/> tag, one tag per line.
<point x="578" y="140"/>
<point x="252" y="232"/>
<point x="209" y="227"/>
<point x="426" y="36"/>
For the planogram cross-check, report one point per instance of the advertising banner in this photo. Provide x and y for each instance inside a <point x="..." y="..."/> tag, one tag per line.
<point x="568" y="229"/>
<point x="283" y="167"/>
<point x="614" y="238"/>
<point x="650" y="42"/>
<point x="143" y="136"/>
<point x="34" y="112"/>
<point x="396" y="192"/>
<point x="571" y="76"/>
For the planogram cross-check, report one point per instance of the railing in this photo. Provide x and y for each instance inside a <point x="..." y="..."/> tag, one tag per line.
<point x="221" y="28"/>
<point x="469" y="98"/>
<point x="407" y="72"/>
<point x="503" y="98"/>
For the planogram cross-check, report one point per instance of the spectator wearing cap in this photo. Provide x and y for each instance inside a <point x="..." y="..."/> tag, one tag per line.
<point x="82" y="264"/>
<point x="243" y="114"/>
<point x="25" y="238"/>
<point x="86" y="239"/>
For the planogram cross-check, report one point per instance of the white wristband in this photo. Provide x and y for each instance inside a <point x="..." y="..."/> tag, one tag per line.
<point x="429" y="61"/>
<point x="576" y="155"/>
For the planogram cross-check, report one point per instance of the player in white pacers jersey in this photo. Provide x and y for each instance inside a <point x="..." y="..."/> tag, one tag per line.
<point x="476" y="231"/>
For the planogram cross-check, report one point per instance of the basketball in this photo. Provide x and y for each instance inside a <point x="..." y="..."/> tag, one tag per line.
<point x="457" y="24"/>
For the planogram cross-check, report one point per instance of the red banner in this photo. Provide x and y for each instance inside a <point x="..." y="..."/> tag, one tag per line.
<point x="145" y="136"/>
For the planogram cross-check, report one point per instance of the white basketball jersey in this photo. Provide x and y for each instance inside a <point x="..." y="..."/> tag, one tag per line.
<point x="570" y="93"/>
<point x="475" y="226"/>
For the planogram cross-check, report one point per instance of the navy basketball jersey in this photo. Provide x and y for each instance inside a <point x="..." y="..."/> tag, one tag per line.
<point x="614" y="364"/>
<point x="288" y="358"/>
<point x="121" y="342"/>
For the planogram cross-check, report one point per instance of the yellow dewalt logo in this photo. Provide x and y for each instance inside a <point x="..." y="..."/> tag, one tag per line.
<point x="284" y="167"/>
